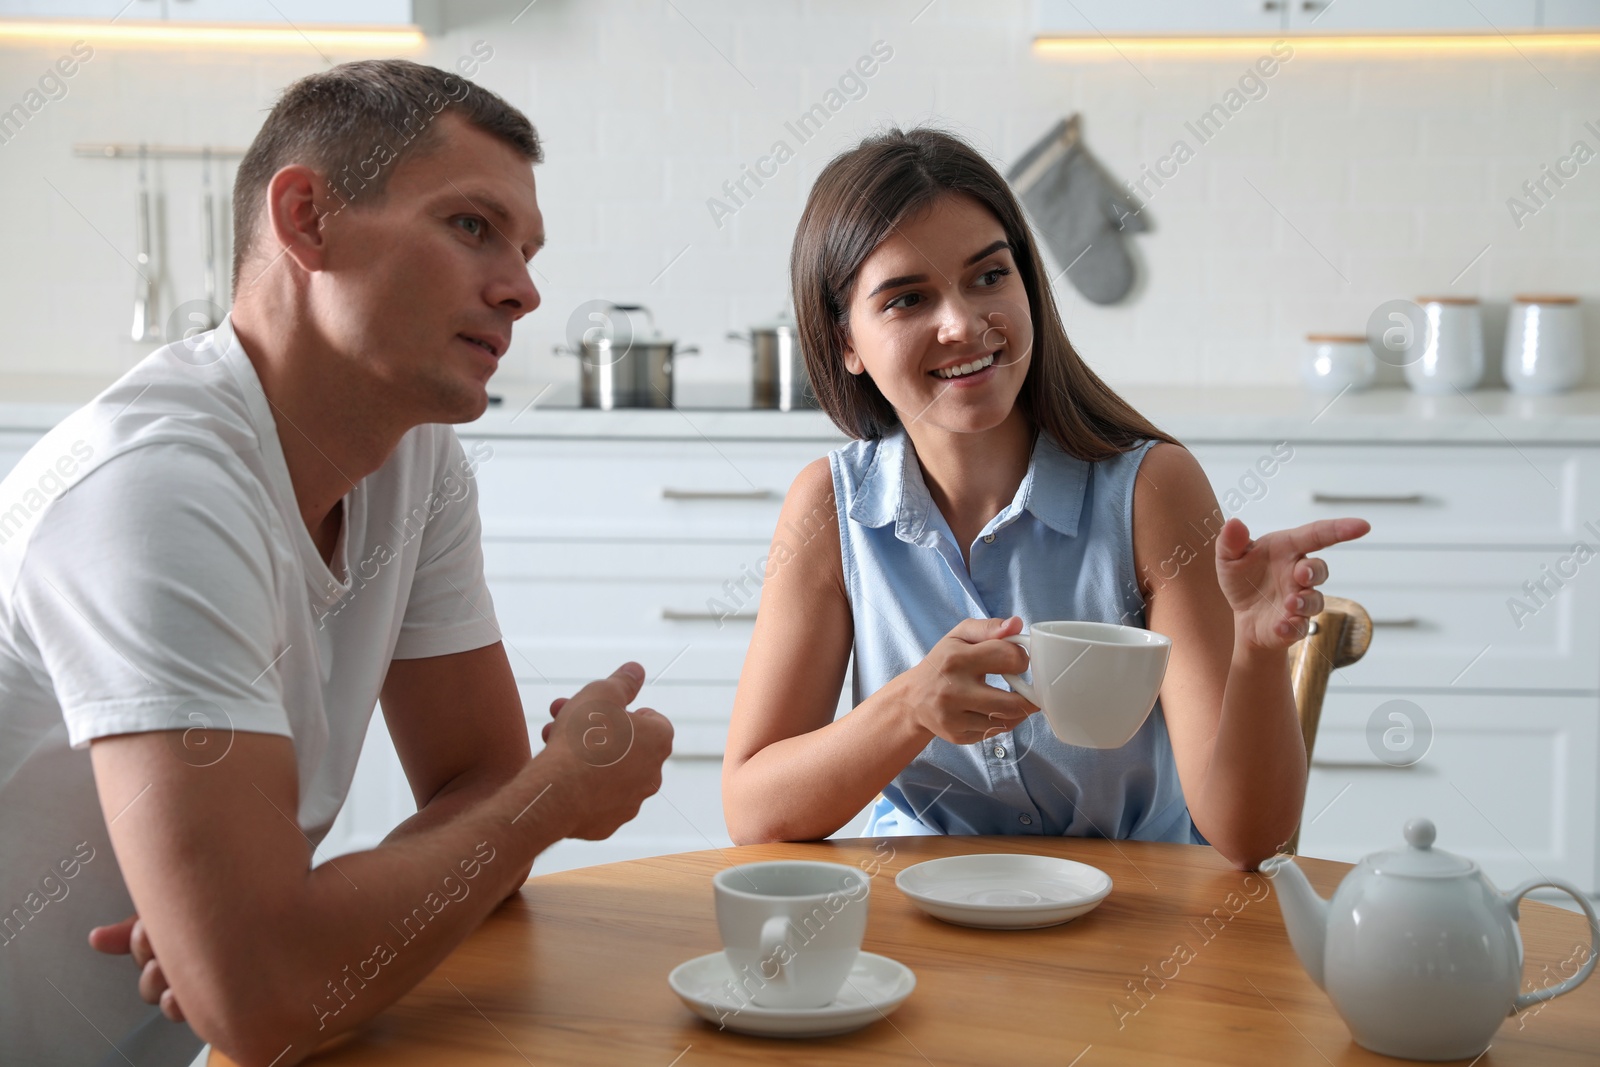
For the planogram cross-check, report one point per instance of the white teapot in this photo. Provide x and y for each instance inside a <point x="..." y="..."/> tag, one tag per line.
<point x="1418" y="951"/>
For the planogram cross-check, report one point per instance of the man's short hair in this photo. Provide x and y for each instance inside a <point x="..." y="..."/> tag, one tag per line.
<point x="353" y="124"/>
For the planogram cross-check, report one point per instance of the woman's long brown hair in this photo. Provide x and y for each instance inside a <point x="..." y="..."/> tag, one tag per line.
<point x="857" y="200"/>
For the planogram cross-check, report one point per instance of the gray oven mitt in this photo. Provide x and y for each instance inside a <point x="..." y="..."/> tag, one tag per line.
<point x="1079" y="211"/>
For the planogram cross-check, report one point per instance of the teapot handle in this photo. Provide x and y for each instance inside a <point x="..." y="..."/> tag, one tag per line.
<point x="1527" y="1000"/>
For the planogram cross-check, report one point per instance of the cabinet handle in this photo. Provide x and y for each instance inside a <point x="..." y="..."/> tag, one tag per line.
<point x="674" y="615"/>
<point x="1366" y="498"/>
<point x="717" y="494"/>
<point x="1410" y="622"/>
<point x="1313" y="5"/>
<point x="695" y="757"/>
<point x="1271" y="5"/>
<point x="1356" y="764"/>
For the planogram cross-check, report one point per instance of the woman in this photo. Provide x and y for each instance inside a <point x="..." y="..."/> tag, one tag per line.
<point x="994" y="478"/>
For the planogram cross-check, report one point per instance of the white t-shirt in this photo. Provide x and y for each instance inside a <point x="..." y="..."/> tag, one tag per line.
<point x="155" y="574"/>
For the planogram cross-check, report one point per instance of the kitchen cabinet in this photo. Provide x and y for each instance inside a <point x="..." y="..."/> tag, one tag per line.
<point x="1569" y="14"/>
<point x="1508" y="697"/>
<point x="1509" y="779"/>
<point x="644" y="535"/>
<point x="1091" y="18"/>
<point x="265" y="12"/>
<point x="1409" y="16"/>
<point x="652" y="550"/>
<point x="1472" y="495"/>
<point x="79" y="9"/>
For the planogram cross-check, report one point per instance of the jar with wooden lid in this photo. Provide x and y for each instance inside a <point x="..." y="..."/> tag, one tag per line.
<point x="1449" y="352"/>
<point x="1544" y="343"/>
<point x="1334" y="362"/>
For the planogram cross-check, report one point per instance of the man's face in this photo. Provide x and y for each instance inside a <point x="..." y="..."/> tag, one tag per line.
<point x="419" y="288"/>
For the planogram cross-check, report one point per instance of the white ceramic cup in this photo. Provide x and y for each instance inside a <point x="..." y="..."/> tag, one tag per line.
<point x="791" y="929"/>
<point x="1095" y="681"/>
<point x="1449" y="354"/>
<point x="1544" y="344"/>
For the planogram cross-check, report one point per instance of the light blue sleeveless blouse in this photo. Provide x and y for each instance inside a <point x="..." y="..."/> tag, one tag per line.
<point x="1063" y="549"/>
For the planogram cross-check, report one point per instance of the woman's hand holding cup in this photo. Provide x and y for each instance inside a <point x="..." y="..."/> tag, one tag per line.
<point x="947" y="693"/>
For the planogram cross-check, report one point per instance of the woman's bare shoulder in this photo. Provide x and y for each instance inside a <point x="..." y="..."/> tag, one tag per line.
<point x="1175" y="512"/>
<point x="808" y="525"/>
<point x="1169" y="467"/>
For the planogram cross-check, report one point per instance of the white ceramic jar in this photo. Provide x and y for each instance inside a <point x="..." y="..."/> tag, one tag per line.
<point x="1544" y="344"/>
<point x="1449" y="353"/>
<point x="1334" y="362"/>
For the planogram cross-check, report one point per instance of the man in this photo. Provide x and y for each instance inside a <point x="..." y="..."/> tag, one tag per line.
<point x="210" y="574"/>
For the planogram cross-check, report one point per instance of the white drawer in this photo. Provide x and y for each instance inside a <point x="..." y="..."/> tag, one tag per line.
<point x="1440" y="619"/>
<point x="572" y="612"/>
<point x="711" y="563"/>
<point x="638" y="489"/>
<point x="1508" y="780"/>
<point x="1415" y="494"/>
<point x="699" y="713"/>
<point x="685" y="816"/>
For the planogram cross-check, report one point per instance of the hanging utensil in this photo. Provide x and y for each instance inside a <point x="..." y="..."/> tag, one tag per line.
<point x="208" y="234"/>
<point x="145" y="293"/>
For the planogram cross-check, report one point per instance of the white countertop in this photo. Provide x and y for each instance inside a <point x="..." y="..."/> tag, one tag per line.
<point x="1200" y="414"/>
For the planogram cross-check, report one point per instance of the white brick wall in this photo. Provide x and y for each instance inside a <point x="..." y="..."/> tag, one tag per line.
<point x="1391" y="170"/>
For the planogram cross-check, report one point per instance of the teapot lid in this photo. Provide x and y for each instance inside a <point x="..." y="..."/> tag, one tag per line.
<point x="1419" y="859"/>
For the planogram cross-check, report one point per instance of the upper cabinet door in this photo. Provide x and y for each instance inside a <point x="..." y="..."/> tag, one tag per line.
<point x="268" y="12"/>
<point x="294" y="12"/>
<point x="1570" y="14"/>
<point x="1088" y="18"/>
<point x="1411" y="16"/>
<point x="81" y="9"/>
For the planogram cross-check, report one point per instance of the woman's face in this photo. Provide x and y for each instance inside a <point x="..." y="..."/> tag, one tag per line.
<point x="939" y="319"/>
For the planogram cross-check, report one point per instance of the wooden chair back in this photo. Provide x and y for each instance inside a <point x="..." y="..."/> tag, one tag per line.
<point x="1339" y="636"/>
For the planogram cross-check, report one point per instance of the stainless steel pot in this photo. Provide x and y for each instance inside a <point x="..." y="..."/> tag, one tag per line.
<point x="621" y="369"/>
<point x="778" y="370"/>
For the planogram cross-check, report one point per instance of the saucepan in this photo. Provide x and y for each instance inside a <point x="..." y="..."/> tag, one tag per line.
<point x="620" y="366"/>
<point x="778" y="369"/>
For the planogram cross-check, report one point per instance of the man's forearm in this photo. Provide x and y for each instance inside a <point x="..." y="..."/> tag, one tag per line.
<point x="459" y="796"/>
<point x="370" y="925"/>
<point x="267" y="956"/>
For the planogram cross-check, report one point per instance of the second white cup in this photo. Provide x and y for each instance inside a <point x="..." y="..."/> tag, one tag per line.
<point x="1095" y="681"/>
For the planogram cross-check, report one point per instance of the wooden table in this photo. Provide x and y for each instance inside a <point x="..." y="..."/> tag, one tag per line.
<point x="575" y="972"/>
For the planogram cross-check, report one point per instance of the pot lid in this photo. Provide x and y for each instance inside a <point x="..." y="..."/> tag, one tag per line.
<point x="620" y="324"/>
<point x="1419" y="859"/>
<point x="622" y="340"/>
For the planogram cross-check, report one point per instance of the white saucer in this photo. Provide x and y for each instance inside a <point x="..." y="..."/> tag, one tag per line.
<point x="876" y="986"/>
<point x="1004" y="891"/>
